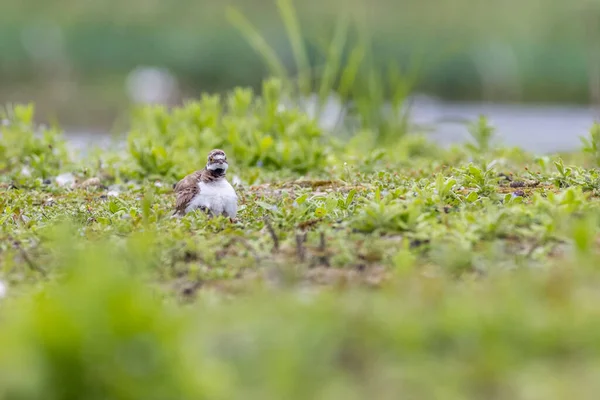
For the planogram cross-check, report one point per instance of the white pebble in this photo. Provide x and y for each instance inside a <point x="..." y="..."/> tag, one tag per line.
<point x="25" y="171"/>
<point x="151" y="85"/>
<point x="65" y="179"/>
<point x="3" y="289"/>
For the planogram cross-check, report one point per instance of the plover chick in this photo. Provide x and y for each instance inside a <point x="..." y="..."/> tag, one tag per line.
<point x="207" y="189"/>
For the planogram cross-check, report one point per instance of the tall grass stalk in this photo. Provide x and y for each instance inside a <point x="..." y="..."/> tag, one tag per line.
<point x="333" y="61"/>
<point x="360" y="85"/>
<point x="258" y="43"/>
<point x="292" y="27"/>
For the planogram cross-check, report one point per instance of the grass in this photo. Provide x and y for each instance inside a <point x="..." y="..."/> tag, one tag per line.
<point x="372" y="90"/>
<point x="352" y="271"/>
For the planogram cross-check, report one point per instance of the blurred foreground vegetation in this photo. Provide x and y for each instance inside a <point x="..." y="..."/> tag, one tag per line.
<point x="361" y="264"/>
<point x="74" y="57"/>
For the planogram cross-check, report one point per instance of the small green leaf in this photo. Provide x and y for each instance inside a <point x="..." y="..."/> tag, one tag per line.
<point x="113" y="206"/>
<point x="266" y="143"/>
<point x="301" y="199"/>
<point x="265" y="205"/>
<point x="472" y="197"/>
<point x="350" y="197"/>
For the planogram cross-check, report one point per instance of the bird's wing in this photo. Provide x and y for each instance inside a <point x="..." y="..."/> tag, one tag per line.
<point x="185" y="190"/>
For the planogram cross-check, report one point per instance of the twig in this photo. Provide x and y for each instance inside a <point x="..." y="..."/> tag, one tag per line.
<point x="300" y="249"/>
<point x="273" y="234"/>
<point x="246" y="244"/>
<point x="188" y="292"/>
<point x="533" y="247"/>
<point x="32" y="265"/>
<point x="322" y="250"/>
<point x="44" y="214"/>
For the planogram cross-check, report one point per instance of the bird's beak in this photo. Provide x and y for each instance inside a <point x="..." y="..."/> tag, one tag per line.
<point x="218" y="164"/>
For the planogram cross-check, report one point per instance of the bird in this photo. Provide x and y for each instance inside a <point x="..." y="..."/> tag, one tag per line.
<point x="207" y="189"/>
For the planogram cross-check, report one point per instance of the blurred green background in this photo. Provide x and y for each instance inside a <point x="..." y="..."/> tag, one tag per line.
<point x="74" y="57"/>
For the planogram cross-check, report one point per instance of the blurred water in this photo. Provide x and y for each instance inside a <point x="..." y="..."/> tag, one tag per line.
<point x="540" y="129"/>
<point x="536" y="128"/>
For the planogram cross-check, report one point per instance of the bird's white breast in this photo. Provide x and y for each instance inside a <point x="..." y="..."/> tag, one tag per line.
<point x="218" y="196"/>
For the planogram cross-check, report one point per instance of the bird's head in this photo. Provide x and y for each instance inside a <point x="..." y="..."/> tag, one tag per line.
<point x="217" y="162"/>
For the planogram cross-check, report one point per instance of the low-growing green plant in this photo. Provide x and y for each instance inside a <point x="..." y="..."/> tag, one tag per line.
<point x="254" y="131"/>
<point x="27" y="149"/>
<point x="591" y="144"/>
<point x="483" y="180"/>
<point x="473" y="266"/>
<point x="443" y="187"/>
<point x="567" y="176"/>
<point x="390" y="216"/>
<point x="101" y="331"/>
<point x="104" y="337"/>
<point x="482" y="134"/>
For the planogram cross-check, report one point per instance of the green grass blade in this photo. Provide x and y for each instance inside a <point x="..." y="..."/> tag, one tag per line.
<point x="333" y="60"/>
<point x="350" y="72"/>
<point x="258" y="43"/>
<point x="292" y="27"/>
